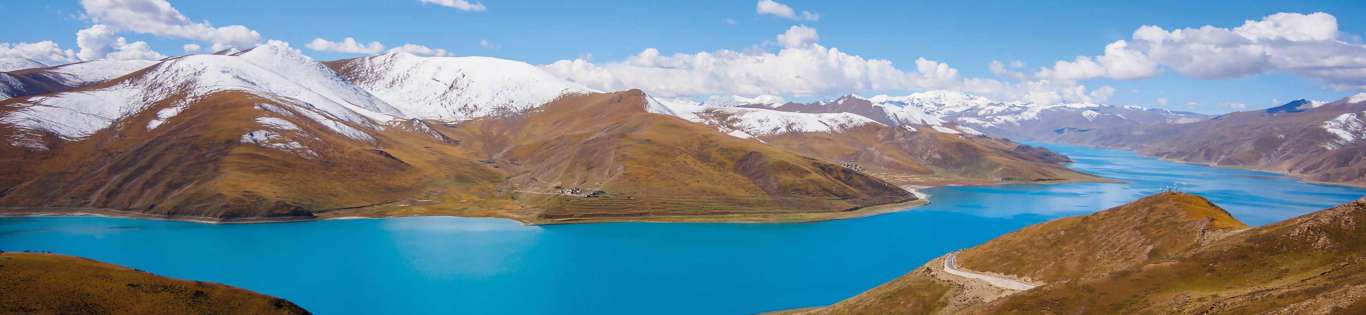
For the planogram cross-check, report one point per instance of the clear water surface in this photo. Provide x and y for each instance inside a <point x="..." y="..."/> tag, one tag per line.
<point x="492" y="266"/>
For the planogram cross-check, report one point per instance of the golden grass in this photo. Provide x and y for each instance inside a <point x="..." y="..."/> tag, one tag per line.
<point x="56" y="284"/>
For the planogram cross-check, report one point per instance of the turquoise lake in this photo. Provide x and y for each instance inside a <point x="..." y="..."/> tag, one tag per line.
<point x="483" y="266"/>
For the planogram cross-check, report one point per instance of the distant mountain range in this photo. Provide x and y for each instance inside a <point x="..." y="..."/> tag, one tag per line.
<point x="1318" y="141"/>
<point x="269" y="133"/>
<point x="1170" y="253"/>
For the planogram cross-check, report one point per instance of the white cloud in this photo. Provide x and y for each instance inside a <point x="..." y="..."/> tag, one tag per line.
<point x="462" y="5"/>
<point x="1237" y="106"/>
<point x="158" y="17"/>
<point x="100" y="41"/>
<point x="1000" y="69"/>
<point x="44" y="52"/>
<point x="420" y="50"/>
<point x="801" y="67"/>
<point x="346" y="45"/>
<point x="1119" y="62"/>
<point x="798" y="36"/>
<point x="483" y="42"/>
<point x="192" y="48"/>
<point x="770" y="7"/>
<point x="1309" y="45"/>
<point x="1161" y="101"/>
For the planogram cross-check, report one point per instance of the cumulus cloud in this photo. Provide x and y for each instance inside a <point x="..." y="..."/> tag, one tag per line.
<point x="802" y="67"/>
<point x="44" y="52"/>
<point x="798" y="36"/>
<point x="346" y="45"/>
<point x="1120" y="61"/>
<point x="100" y="41"/>
<point x="1000" y="69"/>
<point x="462" y="5"/>
<point x="1161" y="101"/>
<point x="420" y="50"/>
<point x="192" y="48"/>
<point x="774" y="8"/>
<point x="1309" y="45"/>
<point x="159" y="18"/>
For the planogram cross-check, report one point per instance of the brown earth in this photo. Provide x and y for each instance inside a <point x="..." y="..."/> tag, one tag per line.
<point x="56" y="284"/>
<point x="1166" y="254"/>
<point x="645" y="165"/>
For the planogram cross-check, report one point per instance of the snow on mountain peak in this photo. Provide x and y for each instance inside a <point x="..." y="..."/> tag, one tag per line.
<point x="273" y="71"/>
<point x="456" y="88"/>
<point x="15" y="63"/>
<point x="1360" y="97"/>
<point x="1348" y="128"/>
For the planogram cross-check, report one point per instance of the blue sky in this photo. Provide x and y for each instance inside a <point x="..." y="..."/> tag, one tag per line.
<point x="966" y="36"/>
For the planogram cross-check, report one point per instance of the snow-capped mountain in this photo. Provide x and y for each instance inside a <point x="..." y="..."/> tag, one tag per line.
<point x="975" y="114"/>
<point x="749" y="122"/>
<point x="747" y="119"/>
<point x="16" y="63"/>
<point x="44" y="79"/>
<point x="273" y="72"/>
<point x="454" y="88"/>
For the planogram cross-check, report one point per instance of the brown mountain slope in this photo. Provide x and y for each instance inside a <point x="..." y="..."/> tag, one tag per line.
<point x="1151" y="229"/>
<point x="1313" y="264"/>
<point x="924" y="156"/>
<point x="654" y="165"/>
<point x="56" y="284"/>
<point x="197" y="165"/>
<point x="211" y="161"/>
<point x="1169" y="253"/>
<point x="1295" y="141"/>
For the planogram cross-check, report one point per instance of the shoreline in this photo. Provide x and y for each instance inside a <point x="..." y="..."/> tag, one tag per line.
<point x="744" y="218"/>
<point x="793" y="217"/>
<point x="1299" y="177"/>
<point x="731" y="218"/>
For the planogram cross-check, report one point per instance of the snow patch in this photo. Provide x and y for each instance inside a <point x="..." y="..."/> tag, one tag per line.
<point x="1090" y="115"/>
<point x="458" y="88"/>
<point x="273" y="140"/>
<point x="1348" y="128"/>
<point x="1360" y="97"/>
<point x="276" y="123"/>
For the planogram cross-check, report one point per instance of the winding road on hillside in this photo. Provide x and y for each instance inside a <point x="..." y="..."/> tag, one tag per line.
<point x="951" y="266"/>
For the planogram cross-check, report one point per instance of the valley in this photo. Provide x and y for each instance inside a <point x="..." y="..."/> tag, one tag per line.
<point x="500" y="266"/>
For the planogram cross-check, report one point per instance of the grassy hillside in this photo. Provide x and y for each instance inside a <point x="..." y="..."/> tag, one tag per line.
<point x="654" y="165"/>
<point x="1168" y="253"/>
<point x="1307" y="265"/>
<point x="1152" y="229"/>
<point x="56" y="284"/>
<point x="929" y="157"/>
<point x="647" y="166"/>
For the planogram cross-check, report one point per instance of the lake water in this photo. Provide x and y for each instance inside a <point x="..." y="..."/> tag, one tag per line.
<point x="462" y="265"/>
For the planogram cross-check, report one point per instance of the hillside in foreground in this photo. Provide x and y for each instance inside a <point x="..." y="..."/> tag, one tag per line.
<point x="57" y="284"/>
<point x="1170" y="253"/>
